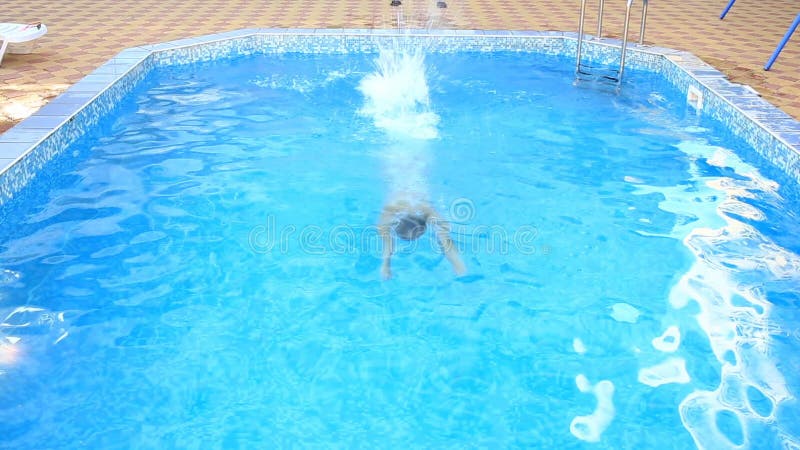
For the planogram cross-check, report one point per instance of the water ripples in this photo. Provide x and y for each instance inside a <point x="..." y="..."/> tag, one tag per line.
<point x="131" y="288"/>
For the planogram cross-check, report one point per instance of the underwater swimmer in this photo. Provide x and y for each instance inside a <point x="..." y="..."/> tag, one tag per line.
<point x="409" y="220"/>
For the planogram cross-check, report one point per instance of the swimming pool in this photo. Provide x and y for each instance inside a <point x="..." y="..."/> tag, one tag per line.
<point x="203" y="267"/>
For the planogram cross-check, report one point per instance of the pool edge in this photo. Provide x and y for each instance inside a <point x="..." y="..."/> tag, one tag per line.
<point x="28" y="146"/>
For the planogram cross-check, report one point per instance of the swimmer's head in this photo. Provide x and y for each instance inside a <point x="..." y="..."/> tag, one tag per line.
<point x="410" y="226"/>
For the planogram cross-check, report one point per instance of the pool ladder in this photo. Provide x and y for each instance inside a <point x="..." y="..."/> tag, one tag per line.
<point x="581" y="69"/>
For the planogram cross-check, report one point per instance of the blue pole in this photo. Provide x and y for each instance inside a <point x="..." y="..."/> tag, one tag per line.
<point x="783" y="42"/>
<point x="727" y="8"/>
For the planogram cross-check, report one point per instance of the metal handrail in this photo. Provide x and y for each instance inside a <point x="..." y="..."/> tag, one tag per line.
<point x="644" y="22"/>
<point x="580" y="38"/>
<point x="600" y="30"/>
<point x="600" y="19"/>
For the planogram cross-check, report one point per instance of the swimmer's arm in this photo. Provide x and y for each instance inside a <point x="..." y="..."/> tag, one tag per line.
<point x="442" y="229"/>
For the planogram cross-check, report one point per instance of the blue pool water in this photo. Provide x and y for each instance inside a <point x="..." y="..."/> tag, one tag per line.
<point x="203" y="270"/>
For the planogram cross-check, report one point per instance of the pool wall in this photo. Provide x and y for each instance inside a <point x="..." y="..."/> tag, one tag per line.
<point x="27" y="147"/>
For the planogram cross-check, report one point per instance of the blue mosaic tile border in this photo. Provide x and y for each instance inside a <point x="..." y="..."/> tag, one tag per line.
<point x="26" y="148"/>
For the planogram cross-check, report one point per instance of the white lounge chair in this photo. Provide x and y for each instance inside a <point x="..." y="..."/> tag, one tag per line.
<point x="15" y="33"/>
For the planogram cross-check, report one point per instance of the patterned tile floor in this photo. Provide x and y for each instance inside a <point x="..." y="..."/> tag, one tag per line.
<point x="84" y="33"/>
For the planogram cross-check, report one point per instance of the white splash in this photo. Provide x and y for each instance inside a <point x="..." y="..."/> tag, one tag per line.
<point x="396" y="99"/>
<point x="396" y="95"/>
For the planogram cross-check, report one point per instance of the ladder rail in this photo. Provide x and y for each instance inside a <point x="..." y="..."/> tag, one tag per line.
<point x="580" y="37"/>
<point x="600" y="19"/>
<point x="623" y="49"/>
<point x="624" y="41"/>
<point x="644" y="22"/>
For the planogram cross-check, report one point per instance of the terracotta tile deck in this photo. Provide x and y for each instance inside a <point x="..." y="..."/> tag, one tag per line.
<point x="85" y="33"/>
